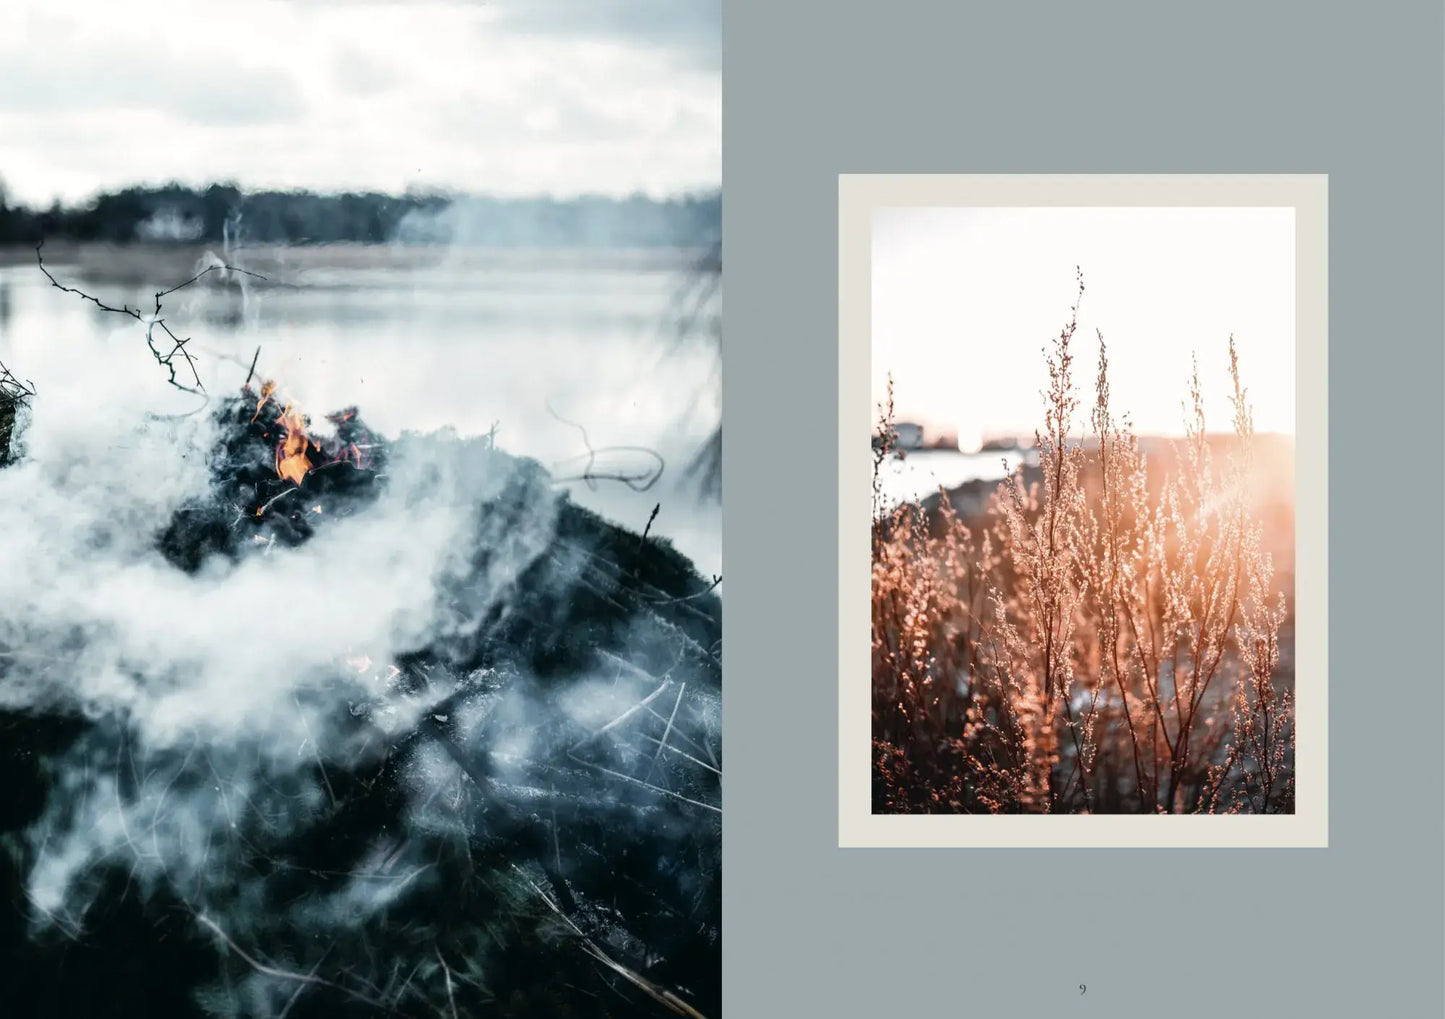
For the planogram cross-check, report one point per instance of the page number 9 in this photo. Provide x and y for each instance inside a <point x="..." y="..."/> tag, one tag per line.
<point x="1082" y="989"/>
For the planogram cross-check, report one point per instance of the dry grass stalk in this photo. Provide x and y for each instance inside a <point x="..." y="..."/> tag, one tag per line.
<point x="1105" y="638"/>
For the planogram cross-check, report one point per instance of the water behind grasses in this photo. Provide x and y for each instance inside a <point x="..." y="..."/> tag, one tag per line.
<point x="920" y="473"/>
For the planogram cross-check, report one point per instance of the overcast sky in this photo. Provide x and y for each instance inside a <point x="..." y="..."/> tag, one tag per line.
<point x="496" y="96"/>
<point x="964" y="300"/>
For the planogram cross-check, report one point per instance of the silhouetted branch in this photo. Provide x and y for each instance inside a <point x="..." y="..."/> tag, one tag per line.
<point x="153" y="322"/>
<point x="638" y="481"/>
<point x="197" y="276"/>
<point x="706" y="466"/>
<point x="14" y="392"/>
<point x="692" y="312"/>
<point x="12" y="387"/>
<point x="690" y="304"/>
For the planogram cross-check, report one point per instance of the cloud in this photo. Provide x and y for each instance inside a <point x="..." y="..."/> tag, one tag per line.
<point x="690" y="27"/>
<point x="506" y="97"/>
<point x="361" y="74"/>
<point x="60" y="81"/>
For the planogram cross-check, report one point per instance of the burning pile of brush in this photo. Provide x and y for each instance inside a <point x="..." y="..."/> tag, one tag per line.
<point x="277" y="476"/>
<point x="339" y="725"/>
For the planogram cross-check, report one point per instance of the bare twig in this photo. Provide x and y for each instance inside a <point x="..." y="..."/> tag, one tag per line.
<point x="639" y="481"/>
<point x="678" y="599"/>
<point x="281" y="974"/>
<point x="153" y="321"/>
<point x="13" y="387"/>
<point x="14" y="393"/>
<point x="639" y="706"/>
<point x="659" y="994"/>
<point x="690" y="305"/>
<point x="681" y="753"/>
<point x="645" y="785"/>
<point x="662" y="744"/>
<point x="447" y="973"/>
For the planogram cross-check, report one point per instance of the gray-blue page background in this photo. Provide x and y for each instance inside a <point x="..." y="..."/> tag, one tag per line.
<point x="1356" y="91"/>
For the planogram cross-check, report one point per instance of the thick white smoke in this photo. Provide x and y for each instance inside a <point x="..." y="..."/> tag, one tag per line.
<point x="279" y="745"/>
<point x="251" y="662"/>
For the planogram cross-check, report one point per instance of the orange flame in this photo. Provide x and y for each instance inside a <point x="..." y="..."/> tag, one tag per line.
<point x="267" y="389"/>
<point x="291" y="460"/>
<point x="295" y="449"/>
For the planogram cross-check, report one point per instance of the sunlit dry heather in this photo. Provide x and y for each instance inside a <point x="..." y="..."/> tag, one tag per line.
<point x="1110" y="630"/>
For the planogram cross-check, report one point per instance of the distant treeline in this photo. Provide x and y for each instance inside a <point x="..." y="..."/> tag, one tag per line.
<point x="223" y="212"/>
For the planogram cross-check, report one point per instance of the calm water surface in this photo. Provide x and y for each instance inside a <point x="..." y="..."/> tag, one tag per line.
<point x="920" y="473"/>
<point x="535" y="343"/>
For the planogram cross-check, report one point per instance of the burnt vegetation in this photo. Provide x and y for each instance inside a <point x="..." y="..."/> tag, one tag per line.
<point x="458" y="839"/>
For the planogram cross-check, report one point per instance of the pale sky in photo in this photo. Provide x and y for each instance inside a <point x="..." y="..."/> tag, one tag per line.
<point x="505" y="97"/>
<point x="965" y="300"/>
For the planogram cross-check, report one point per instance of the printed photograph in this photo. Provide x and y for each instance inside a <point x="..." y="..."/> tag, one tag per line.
<point x="1083" y="510"/>
<point x="360" y="509"/>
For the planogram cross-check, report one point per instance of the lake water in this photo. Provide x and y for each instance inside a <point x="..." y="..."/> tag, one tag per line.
<point x="535" y="343"/>
<point x="920" y="473"/>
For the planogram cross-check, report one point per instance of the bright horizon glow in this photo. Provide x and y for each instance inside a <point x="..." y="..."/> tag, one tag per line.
<point x="965" y="300"/>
